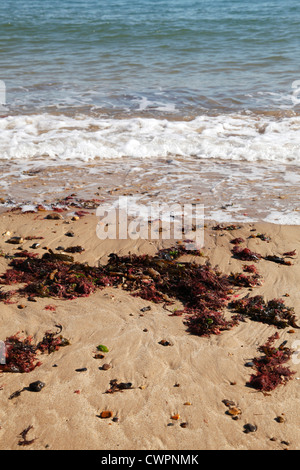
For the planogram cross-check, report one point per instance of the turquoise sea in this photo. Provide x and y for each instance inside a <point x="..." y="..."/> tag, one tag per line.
<point x="91" y="81"/>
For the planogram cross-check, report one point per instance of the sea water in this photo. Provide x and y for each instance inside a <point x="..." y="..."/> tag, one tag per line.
<point x="196" y="94"/>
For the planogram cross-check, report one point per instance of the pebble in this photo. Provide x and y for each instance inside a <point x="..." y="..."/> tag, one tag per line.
<point x="106" y="367"/>
<point x="146" y="309"/>
<point x="250" y="428"/>
<point x="249" y="364"/>
<point x="106" y="414"/>
<point x="175" y="417"/>
<point x="35" y="246"/>
<point x="164" y="342"/>
<point x="54" y="216"/>
<point x="15" y="241"/>
<point x="36" y="386"/>
<point x="70" y="234"/>
<point x="84" y="369"/>
<point x="234" y="411"/>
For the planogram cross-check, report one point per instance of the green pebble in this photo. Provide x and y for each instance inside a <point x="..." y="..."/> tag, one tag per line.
<point x="102" y="348"/>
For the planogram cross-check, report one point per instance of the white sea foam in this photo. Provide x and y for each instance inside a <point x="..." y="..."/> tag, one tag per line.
<point x="229" y="137"/>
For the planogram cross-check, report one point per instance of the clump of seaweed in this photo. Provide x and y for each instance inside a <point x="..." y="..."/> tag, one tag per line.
<point x="52" y="342"/>
<point x="239" y="279"/>
<point x="274" y="312"/>
<point x="262" y="236"/>
<point x="24" y="441"/>
<point x="208" y="323"/>
<point x="237" y="241"/>
<point x="250" y="268"/>
<point x="269" y="369"/>
<point x="164" y="278"/>
<point x="245" y="254"/>
<point x="227" y="227"/>
<point x="74" y="249"/>
<point x="278" y="260"/>
<point x="21" y="354"/>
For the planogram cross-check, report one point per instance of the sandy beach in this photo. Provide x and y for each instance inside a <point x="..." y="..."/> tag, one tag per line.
<point x="188" y="379"/>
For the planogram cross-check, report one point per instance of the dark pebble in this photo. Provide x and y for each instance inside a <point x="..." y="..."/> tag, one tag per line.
<point x="146" y="309"/>
<point x="183" y="425"/>
<point x="250" y="428"/>
<point x="84" y="369"/>
<point x="106" y="367"/>
<point x="164" y="342"/>
<point x="36" y="386"/>
<point x="249" y="364"/>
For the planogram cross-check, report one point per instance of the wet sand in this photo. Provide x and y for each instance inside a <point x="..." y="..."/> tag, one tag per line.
<point x="190" y="378"/>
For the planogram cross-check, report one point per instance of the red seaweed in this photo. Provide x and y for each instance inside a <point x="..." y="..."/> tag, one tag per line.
<point x="237" y="241"/>
<point x="21" y="354"/>
<point x="270" y="373"/>
<point x="250" y="268"/>
<point x="239" y="279"/>
<point x="245" y="254"/>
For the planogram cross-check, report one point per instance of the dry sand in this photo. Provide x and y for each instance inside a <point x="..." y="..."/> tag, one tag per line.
<point x="204" y="368"/>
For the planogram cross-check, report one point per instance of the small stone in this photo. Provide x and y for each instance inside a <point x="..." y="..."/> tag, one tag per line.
<point x="164" y="342"/>
<point x="187" y="403"/>
<point x="75" y="217"/>
<point x="285" y="443"/>
<point x="54" y="216"/>
<point x="15" y="241"/>
<point x="102" y="348"/>
<point x="228" y="403"/>
<point x="70" y="234"/>
<point x="84" y="369"/>
<point x="249" y="364"/>
<point x="35" y="246"/>
<point x="99" y="356"/>
<point x="250" y="428"/>
<point x="106" y="367"/>
<point x="234" y="411"/>
<point x="115" y="419"/>
<point x="106" y="414"/>
<point x="280" y="419"/>
<point x="146" y="309"/>
<point x="183" y="425"/>
<point x="20" y="307"/>
<point x="36" y="386"/>
<point x="175" y="417"/>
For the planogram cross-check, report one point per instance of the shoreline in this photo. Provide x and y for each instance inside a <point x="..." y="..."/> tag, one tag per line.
<point x="65" y="414"/>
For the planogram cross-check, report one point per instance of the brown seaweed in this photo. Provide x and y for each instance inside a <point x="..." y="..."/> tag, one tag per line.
<point x="274" y="312"/>
<point x="278" y="260"/>
<point x="23" y="435"/>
